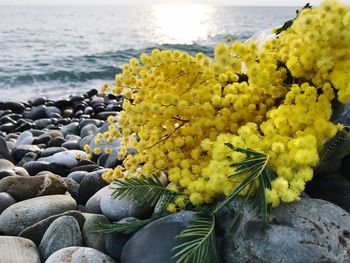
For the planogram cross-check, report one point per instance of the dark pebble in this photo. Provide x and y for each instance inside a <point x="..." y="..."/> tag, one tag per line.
<point x="23" y="127"/>
<point x="333" y="188"/>
<point x="99" y="109"/>
<point x="6" y="119"/>
<point x="86" y="168"/>
<point x="102" y="160"/>
<point x="71" y="145"/>
<point x="79" y="107"/>
<point x="85" y="162"/>
<point x="6" y="173"/>
<point x="5" y="112"/>
<point x="78" y="114"/>
<point x="56" y="142"/>
<point x="43" y="139"/>
<point x="61" y="104"/>
<point x="15" y="116"/>
<point x="20" y="151"/>
<point x="55" y="115"/>
<point x="63" y="121"/>
<point x="92" y="92"/>
<point x="38" y="112"/>
<point x="104" y="115"/>
<point x="88" y="110"/>
<point x="76" y="98"/>
<point x="15" y="106"/>
<point x="39" y="101"/>
<point x="58" y="169"/>
<point x="7" y="127"/>
<point x="90" y="184"/>
<point x="34" y="167"/>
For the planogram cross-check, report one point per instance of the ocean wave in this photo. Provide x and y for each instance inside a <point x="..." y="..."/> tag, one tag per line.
<point x="76" y="69"/>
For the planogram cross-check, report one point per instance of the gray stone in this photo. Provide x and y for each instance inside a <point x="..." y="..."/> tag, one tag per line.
<point x="52" y="109"/>
<point x="63" y="232"/>
<point x="52" y="150"/>
<point x="4" y="150"/>
<point x="307" y="231"/>
<point x="89" y="129"/>
<point x="86" y="140"/>
<point x="24" y="139"/>
<point x="115" y="242"/>
<point x="6" y="165"/>
<point x="93" y="204"/>
<point x="95" y="122"/>
<point x="112" y="160"/>
<point x="6" y="200"/>
<point x="67" y="158"/>
<point x="72" y="145"/>
<point x="37" y="231"/>
<point x="94" y="240"/>
<point x="42" y="123"/>
<point x="72" y="187"/>
<point x="18" y="250"/>
<point x="119" y="208"/>
<point x="72" y="137"/>
<point x="25" y="187"/>
<point x="154" y="242"/>
<point x="79" y="255"/>
<point x="90" y="184"/>
<point x="72" y="128"/>
<point x="77" y="176"/>
<point x="102" y="159"/>
<point x="38" y="112"/>
<point x="20" y="171"/>
<point x="28" y="157"/>
<point x="26" y="213"/>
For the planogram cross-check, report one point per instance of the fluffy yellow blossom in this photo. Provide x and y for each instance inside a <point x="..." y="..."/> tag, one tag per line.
<point x="274" y="98"/>
<point x="97" y="150"/>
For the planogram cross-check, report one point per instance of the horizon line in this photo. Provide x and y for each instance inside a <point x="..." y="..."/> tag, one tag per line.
<point x="141" y="5"/>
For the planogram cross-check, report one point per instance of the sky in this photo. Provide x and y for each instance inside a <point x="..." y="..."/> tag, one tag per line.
<point x="151" y="2"/>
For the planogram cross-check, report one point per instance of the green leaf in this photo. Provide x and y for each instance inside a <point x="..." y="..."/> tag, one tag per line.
<point x="143" y="190"/>
<point x="201" y="246"/>
<point x="124" y="228"/>
<point x="253" y="167"/>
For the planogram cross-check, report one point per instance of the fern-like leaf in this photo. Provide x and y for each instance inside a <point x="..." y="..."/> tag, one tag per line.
<point x="124" y="228"/>
<point x="253" y="167"/>
<point x="142" y="190"/>
<point x="201" y="246"/>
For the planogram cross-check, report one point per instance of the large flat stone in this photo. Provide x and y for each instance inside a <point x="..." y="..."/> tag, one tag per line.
<point x="26" y="213"/>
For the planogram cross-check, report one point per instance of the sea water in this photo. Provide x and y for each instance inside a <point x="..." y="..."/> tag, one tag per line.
<point x="55" y="51"/>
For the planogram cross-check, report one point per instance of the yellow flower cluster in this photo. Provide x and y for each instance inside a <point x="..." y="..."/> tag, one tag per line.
<point x="317" y="46"/>
<point x="179" y="109"/>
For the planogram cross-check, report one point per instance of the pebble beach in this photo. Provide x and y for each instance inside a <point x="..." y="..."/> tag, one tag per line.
<point x="50" y="199"/>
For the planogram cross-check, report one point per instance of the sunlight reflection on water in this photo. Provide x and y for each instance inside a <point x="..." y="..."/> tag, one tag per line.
<point x="183" y="23"/>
